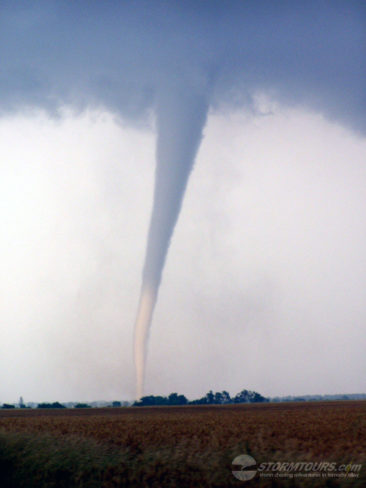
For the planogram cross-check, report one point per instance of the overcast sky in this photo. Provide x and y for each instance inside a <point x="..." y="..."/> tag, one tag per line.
<point x="265" y="283"/>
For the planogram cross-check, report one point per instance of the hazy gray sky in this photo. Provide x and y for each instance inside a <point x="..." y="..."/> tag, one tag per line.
<point x="265" y="283"/>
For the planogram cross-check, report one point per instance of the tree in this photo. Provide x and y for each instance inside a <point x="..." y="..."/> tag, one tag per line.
<point x="175" y="399"/>
<point x="172" y="399"/>
<point x="226" y="397"/>
<point x="50" y="405"/>
<point x="255" y="397"/>
<point x="222" y="397"/>
<point x="242" y="397"/>
<point x="246" y="396"/>
<point x="199" y="401"/>
<point x="218" y="398"/>
<point x="210" y="398"/>
<point x="151" y="400"/>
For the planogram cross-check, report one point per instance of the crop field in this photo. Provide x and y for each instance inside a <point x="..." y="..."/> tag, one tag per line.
<point x="190" y="446"/>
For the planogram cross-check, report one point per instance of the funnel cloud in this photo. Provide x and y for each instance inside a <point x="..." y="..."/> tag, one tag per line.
<point x="180" y="121"/>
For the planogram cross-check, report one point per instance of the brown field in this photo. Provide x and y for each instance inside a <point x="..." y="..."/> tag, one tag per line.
<point x="190" y="446"/>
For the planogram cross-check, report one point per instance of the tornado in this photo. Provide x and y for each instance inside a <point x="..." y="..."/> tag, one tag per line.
<point x="180" y="119"/>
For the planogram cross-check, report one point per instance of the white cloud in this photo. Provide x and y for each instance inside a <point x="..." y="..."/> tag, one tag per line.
<point x="264" y="286"/>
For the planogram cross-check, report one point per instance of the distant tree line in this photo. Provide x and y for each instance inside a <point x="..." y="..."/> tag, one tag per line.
<point x="51" y="405"/>
<point x="218" y="398"/>
<point x="172" y="399"/>
<point x="60" y="405"/>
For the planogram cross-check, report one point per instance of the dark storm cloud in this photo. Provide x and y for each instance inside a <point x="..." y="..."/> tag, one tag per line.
<point x="120" y="54"/>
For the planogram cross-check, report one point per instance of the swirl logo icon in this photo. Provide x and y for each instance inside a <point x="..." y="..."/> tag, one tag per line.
<point x="242" y="462"/>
